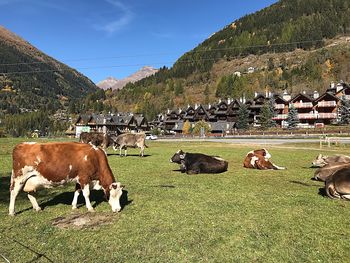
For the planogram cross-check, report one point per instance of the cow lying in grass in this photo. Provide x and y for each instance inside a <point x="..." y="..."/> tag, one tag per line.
<point x="195" y="163"/>
<point x="259" y="159"/>
<point x="45" y="165"/>
<point x="322" y="160"/>
<point x="321" y="174"/>
<point x="337" y="185"/>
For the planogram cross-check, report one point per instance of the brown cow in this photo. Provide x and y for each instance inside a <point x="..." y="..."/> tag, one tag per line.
<point x="98" y="139"/>
<point x="132" y="140"/>
<point x="321" y="174"/>
<point x="337" y="185"/>
<point x="259" y="159"/>
<point x="322" y="160"/>
<point x="45" y="165"/>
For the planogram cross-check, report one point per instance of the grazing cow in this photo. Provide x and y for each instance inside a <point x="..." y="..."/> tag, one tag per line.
<point x="259" y="159"/>
<point x="337" y="185"/>
<point x="98" y="139"/>
<point x="321" y="174"/>
<point x="133" y="140"/>
<point x="195" y="163"/>
<point x="45" y="165"/>
<point x="322" y="160"/>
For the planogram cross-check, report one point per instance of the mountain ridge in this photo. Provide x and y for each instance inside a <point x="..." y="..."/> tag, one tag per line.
<point x="35" y="79"/>
<point x="115" y="84"/>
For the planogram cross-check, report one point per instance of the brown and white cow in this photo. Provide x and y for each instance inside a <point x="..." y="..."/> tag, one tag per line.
<point x="322" y="160"/>
<point x="98" y="139"/>
<point x="259" y="159"/>
<point x="45" y="165"/>
<point x="133" y="140"/>
<point x="337" y="185"/>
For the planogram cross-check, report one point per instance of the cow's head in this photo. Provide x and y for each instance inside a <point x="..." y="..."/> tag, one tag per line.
<point x="178" y="157"/>
<point x="115" y="192"/>
<point x="319" y="161"/>
<point x="263" y="152"/>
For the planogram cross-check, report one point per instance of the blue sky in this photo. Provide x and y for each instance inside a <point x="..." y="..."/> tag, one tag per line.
<point x="102" y="38"/>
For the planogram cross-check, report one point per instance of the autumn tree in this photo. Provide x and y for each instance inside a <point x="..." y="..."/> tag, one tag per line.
<point x="186" y="128"/>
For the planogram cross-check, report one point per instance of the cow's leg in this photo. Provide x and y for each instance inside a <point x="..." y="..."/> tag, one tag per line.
<point x="86" y="193"/>
<point x="142" y="151"/>
<point x="35" y="205"/>
<point x="120" y="151"/>
<point x="194" y="169"/>
<point x="275" y="167"/>
<point x="76" y="195"/>
<point x="347" y="197"/>
<point x="15" y="187"/>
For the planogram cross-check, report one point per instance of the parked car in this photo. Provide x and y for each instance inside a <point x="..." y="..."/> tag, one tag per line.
<point x="151" y="137"/>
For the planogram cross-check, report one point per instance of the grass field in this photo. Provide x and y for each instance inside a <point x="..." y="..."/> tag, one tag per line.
<point x="241" y="215"/>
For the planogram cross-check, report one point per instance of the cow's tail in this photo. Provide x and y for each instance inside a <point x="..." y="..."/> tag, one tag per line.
<point x="12" y="182"/>
<point x="146" y="146"/>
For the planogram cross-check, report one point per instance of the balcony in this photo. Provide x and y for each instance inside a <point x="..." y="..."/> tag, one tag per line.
<point x="347" y="97"/>
<point x="308" y="116"/>
<point x="323" y="104"/>
<point x="279" y="106"/>
<point x="302" y="105"/>
<point x="327" y="115"/>
<point x="280" y="117"/>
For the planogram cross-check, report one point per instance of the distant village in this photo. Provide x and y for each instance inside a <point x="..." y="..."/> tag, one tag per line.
<point x="314" y="110"/>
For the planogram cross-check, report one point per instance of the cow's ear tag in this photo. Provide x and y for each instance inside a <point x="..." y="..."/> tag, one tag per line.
<point x="182" y="156"/>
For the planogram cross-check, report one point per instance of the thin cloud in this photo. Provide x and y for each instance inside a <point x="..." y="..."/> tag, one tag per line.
<point x="120" y="23"/>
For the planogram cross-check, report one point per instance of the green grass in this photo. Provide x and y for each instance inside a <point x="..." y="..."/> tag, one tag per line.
<point x="241" y="215"/>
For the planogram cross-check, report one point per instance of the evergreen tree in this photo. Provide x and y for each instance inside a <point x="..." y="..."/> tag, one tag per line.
<point x="267" y="113"/>
<point x="243" y="117"/>
<point x="344" y="111"/>
<point x="292" y="118"/>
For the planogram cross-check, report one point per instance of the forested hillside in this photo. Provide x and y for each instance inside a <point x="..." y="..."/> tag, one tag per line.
<point x="31" y="80"/>
<point x="293" y="45"/>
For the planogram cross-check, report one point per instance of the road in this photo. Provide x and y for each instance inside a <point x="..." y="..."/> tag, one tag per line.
<point x="263" y="141"/>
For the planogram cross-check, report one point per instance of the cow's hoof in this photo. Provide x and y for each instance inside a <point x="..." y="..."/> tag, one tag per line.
<point x="91" y="210"/>
<point x="74" y="208"/>
<point x="12" y="214"/>
<point x="38" y="209"/>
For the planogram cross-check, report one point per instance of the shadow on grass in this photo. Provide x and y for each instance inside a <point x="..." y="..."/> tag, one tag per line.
<point x="322" y="192"/>
<point x="131" y="155"/>
<point x="302" y="183"/>
<point x="96" y="196"/>
<point x="164" y="186"/>
<point x="4" y="189"/>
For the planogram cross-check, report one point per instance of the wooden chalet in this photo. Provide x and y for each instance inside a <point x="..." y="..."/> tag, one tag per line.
<point x="110" y="123"/>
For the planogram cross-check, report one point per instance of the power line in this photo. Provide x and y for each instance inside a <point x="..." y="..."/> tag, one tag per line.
<point x="168" y="53"/>
<point x="157" y="63"/>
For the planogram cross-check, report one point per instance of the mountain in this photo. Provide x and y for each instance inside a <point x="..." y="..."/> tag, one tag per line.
<point x="107" y="83"/>
<point x="293" y="44"/>
<point x="115" y="84"/>
<point x="31" y="80"/>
